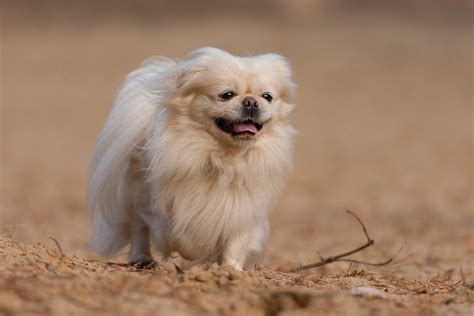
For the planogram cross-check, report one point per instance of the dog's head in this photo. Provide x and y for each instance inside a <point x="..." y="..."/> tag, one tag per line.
<point x="236" y="99"/>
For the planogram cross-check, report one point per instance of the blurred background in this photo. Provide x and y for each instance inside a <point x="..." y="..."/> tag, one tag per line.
<point x="384" y="113"/>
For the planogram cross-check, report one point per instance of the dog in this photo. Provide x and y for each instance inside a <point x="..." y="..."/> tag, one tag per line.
<point x="192" y="157"/>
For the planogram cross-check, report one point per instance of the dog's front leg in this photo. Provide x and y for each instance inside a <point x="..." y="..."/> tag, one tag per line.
<point x="235" y="251"/>
<point x="246" y="248"/>
<point x="140" y="255"/>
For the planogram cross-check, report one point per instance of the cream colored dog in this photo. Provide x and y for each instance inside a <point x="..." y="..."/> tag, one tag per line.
<point x="193" y="156"/>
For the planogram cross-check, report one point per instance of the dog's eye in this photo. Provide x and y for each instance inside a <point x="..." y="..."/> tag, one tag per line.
<point x="267" y="96"/>
<point x="227" y="95"/>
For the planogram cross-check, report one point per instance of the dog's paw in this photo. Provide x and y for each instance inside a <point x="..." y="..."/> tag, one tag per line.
<point x="234" y="264"/>
<point x="144" y="262"/>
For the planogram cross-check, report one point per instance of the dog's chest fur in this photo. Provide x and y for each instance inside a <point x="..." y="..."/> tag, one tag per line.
<point x="209" y="194"/>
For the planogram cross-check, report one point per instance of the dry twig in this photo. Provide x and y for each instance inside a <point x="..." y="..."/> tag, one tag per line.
<point x="60" y="250"/>
<point x="463" y="277"/>
<point x="178" y="269"/>
<point x="342" y="256"/>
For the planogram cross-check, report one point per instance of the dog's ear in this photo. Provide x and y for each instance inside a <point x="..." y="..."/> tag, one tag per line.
<point x="185" y="79"/>
<point x="281" y="70"/>
<point x="193" y="67"/>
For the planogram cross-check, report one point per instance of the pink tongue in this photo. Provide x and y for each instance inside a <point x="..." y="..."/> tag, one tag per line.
<point x="243" y="127"/>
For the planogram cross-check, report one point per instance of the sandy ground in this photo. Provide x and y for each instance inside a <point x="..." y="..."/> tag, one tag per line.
<point x="385" y="129"/>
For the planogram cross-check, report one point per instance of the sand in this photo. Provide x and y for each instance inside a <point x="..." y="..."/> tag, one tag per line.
<point x="384" y="114"/>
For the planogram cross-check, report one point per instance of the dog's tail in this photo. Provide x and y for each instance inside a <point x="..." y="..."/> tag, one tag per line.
<point x="133" y="112"/>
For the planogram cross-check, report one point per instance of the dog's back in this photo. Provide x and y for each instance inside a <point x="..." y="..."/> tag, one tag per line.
<point x="133" y="112"/>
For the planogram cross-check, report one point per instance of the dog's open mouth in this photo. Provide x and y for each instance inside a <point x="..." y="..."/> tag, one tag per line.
<point x="238" y="128"/>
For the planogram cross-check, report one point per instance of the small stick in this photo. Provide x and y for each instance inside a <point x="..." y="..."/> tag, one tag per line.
<point x="463" y="277"/>
<point x="178" y="269"/>
<point x="361" y="224"/>
<point x="60" y="250"/>
<point x="342" y="256"/>
<point x="320" y="276"/>
<point x="349" y="269"/>
<point x="376" y="264"/>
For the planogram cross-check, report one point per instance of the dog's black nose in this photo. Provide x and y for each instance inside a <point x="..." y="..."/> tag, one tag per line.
<point x="250" y="102"/>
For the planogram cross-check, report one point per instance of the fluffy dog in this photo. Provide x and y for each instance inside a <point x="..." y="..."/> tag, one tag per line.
<point x="192" y="157"/>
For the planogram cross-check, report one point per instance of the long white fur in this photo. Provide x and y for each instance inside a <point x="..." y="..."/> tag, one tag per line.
<point x="161" y="169"/>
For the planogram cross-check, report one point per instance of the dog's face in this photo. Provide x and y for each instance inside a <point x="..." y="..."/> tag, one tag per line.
<point x="237" y="99"/>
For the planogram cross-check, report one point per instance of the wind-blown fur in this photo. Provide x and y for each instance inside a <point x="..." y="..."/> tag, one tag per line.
<point x="162" y="169"/>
